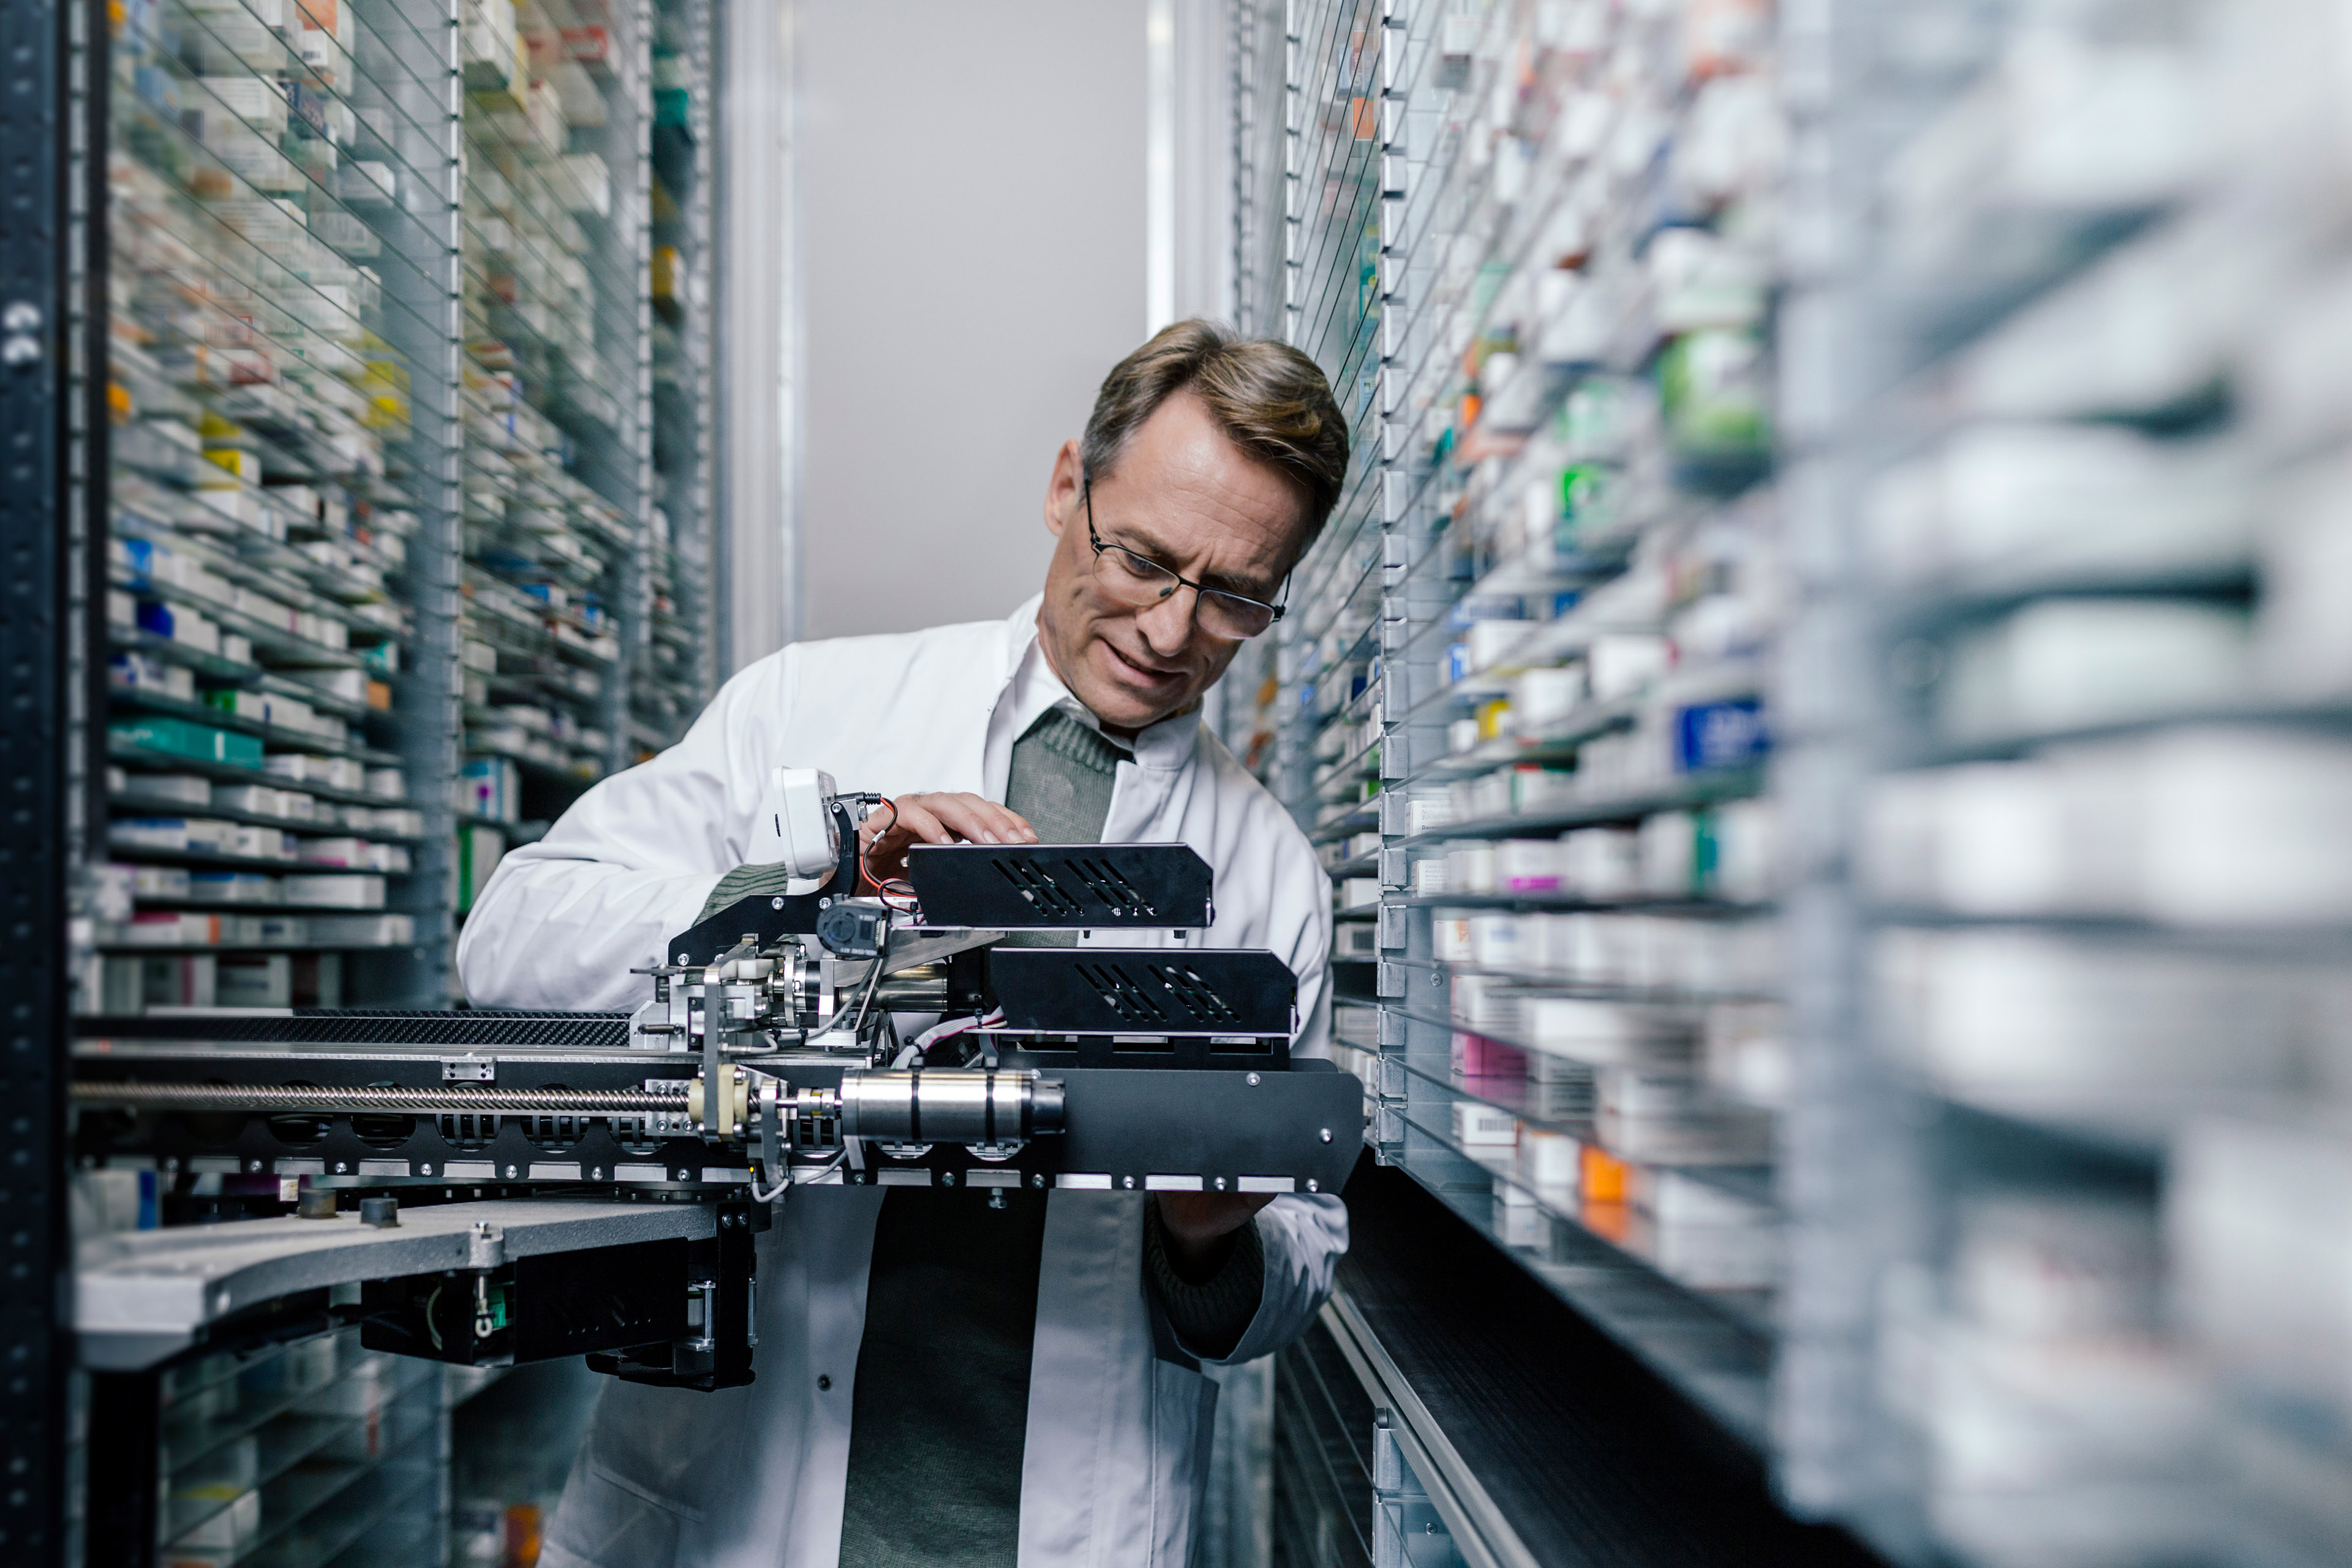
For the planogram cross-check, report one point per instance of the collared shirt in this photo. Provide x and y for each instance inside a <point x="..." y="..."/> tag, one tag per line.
<point x="1035" y="687"/>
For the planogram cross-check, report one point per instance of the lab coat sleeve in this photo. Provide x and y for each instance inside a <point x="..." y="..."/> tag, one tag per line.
<point x="1303" y="1234"/>
<point x="563" y="921"/>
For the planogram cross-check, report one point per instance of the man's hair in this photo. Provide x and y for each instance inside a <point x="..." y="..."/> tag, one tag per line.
<point x="1266" y="397"/>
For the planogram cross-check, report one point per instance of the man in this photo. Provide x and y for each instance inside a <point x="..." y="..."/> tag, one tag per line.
<point x="940" y="1382"/>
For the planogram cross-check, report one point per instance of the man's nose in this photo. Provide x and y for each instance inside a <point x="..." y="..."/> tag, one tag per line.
<point x="1166" y="625"/>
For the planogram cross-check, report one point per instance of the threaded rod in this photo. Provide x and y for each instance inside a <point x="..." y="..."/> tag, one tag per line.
<point x="241" y="1096"/>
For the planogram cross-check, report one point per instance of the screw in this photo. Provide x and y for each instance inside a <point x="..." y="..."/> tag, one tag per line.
<point x="1252" y="1080"/>
<point x="1038" y="1180"/>
<point x="823" y="1382"/>
<point x="776" y="903"/>
<point x="825" y="904"/>
<point x="1130" y="1181"/>
<point x="21" y="349"/>
<point x="1221" y="1184"/>
<point x="947" y="1178"/>
<point x="1311" y="1184"/>
<point x="1327" y="1136"/>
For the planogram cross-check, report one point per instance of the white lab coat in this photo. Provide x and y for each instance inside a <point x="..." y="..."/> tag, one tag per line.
<point x="1116" y="1453"/>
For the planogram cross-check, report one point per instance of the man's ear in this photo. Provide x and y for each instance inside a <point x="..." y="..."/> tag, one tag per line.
<point x="1062" y="490"/>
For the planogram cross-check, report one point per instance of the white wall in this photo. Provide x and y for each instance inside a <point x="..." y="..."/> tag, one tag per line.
<point x="970" y="235"/>
<point x="757" y="596"/>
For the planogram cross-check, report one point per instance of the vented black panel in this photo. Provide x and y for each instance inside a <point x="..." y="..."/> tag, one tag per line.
<point x="1061" y="887"/>
<point x="375" y="1026"/>
<point x="1105" y="990"/>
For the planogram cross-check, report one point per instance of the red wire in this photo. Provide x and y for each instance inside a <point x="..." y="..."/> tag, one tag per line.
<point x="865" y="870"/>
<point x="888" y="888"/>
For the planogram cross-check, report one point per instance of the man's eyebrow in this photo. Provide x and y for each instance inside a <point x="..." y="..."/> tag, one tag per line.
<point x="1142" y="543"/>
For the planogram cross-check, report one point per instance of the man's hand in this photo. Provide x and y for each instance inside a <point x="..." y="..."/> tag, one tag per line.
<point x="1199" y="1229"/>
<point x="951" y="818"/>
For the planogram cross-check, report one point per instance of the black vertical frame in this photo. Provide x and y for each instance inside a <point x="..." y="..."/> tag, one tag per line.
<point x="40" y="158"/>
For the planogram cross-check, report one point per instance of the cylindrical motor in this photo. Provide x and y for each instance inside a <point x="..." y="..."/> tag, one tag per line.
<point x="990" y="1107"/>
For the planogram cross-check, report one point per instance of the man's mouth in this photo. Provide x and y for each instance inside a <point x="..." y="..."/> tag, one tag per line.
<point x="1144" y="673"/>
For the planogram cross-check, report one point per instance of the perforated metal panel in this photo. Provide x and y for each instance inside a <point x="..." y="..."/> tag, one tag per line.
<point x="379" y="1026"/>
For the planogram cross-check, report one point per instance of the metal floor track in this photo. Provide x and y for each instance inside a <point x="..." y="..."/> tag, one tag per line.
<point x="1555" y="1447"/>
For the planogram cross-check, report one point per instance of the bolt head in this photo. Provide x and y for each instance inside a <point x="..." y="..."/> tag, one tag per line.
<point x="1252" y="1080"/>
<point x="776" y="903"/>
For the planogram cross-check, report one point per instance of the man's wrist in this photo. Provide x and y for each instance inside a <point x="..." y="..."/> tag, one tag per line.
<point x="1197" y="1261"/>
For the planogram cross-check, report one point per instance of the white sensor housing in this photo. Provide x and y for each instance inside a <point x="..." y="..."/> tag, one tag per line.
<point x="798" y="807"/>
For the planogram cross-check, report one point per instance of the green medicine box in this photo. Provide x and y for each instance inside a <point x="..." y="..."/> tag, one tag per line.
<point x="182" y="739"/>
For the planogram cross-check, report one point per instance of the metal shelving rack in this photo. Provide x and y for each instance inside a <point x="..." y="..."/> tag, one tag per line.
<point x="1546" y="311"/>
<point x="380" y="417"/>
<point x="331" y="325"/>
<point x="2065" y="931"/>
<point x="282" y="436"/>
<point x="1921" y="424"/>
<point x="673" y="661"/>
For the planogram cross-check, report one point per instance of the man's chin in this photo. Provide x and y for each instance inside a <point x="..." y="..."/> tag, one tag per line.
<point x="1123" y="705"/>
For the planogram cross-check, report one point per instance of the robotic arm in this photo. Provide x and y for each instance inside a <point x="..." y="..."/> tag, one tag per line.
<point x="767" y="1058"/>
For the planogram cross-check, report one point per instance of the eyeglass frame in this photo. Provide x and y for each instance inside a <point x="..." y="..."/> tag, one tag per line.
<point x="1200" y="591"/>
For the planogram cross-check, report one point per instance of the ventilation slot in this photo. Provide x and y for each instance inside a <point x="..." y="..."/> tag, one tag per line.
<point x="1112" y="889"/>
<point x="1121" y="995"/>
<point x="1051" y="900"/>
<point x="1195" y="995"/>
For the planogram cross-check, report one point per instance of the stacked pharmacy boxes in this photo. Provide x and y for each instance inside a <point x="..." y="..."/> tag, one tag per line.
<point x="270" y="464"/>
<point x="555" y="482"/>
<point x="315" y="1452"/>
<point x="1522" y="705"/>
<point x="2076" y="1166"/>
<point x="1939" y="1075"/>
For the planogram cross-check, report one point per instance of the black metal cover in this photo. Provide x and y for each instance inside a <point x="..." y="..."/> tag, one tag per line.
<point x="469" y="1027"/>
<point x="549" y="1305"/>
<point x="1061" y="887"/>
<point x="1144" y="991"/>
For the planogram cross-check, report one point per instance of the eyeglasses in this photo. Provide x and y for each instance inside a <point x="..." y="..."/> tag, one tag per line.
<point x="1142" y="582"/>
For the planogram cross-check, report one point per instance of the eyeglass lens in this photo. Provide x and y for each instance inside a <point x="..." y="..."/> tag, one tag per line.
<point x="1142" y="580"/>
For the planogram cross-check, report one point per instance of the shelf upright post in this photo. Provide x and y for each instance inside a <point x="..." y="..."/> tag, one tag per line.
<point x="39" y="258"/>
<point x="630" y="587"/>
<point x="1851" y="1151"/>
<point x="421" y="271"/>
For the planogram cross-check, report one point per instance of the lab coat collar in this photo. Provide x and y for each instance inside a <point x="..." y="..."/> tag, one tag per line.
<point x="1032" y="685"/>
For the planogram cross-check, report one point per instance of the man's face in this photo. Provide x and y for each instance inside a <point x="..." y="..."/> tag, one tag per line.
<point x="1184" y="496"/>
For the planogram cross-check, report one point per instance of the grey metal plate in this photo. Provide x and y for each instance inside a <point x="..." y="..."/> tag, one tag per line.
<point x="141" y="1296"/>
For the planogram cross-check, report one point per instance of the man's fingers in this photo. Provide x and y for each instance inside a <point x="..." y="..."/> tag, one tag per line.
<point x="941" y="819"/>
<point x="971" y="817"/>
